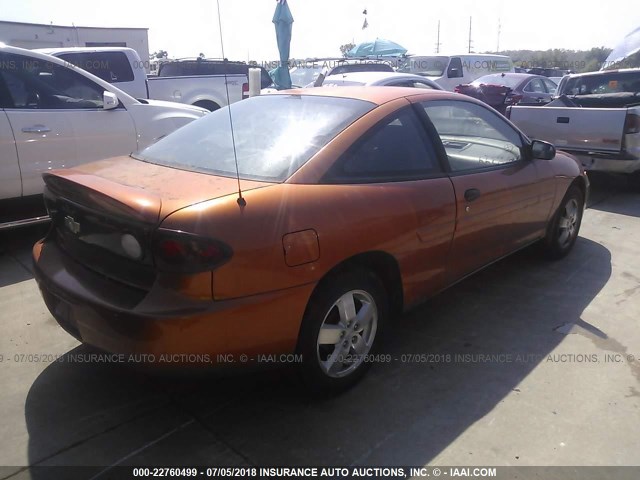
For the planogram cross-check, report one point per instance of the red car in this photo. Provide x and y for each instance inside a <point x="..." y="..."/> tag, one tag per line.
<point x="501" y="90"/>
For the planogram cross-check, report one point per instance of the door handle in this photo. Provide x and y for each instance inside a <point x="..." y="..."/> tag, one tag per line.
<point x="36" y="129"/>
<point x="472" y="194"/>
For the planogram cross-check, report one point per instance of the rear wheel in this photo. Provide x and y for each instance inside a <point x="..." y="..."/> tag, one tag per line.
<point x="341" y="329"/>
<point x="565" y="226"/>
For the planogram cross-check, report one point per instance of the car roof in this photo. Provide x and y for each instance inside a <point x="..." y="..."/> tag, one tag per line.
<point x="51" y="51"/>
<point x="377" y="95"/>
<point x="339" y="60"/>
<point x="370" y="77"/>
<point x="604" y="72"/>
<point x="522" y="76"/>
<point x="447" y="54"/>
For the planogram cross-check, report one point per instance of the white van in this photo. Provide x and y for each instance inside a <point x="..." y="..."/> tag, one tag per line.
<point x="449" y="71"/>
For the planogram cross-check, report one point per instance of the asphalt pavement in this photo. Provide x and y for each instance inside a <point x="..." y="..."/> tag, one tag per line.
<point x="527" y="363"/>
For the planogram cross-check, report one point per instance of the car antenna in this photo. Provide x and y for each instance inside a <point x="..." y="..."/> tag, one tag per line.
<point x="241" y="201"/>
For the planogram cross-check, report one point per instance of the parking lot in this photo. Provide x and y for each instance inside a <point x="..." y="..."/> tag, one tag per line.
<point x="526" y="363"/>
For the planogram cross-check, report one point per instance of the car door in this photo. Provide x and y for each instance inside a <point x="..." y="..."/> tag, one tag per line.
<point x="58" y="119"/>
<point x="10" y="179"/>
<point x="396" y="172"/>
<point x="535" y="92"/>
<point x="502" y="200"/>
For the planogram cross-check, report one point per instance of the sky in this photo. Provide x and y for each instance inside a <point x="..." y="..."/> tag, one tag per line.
<point x="189" y="27"/>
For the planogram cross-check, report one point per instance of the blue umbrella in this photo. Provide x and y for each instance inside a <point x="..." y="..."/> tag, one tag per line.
<point x="377" y="48"/>
<point x="284" y="26"/>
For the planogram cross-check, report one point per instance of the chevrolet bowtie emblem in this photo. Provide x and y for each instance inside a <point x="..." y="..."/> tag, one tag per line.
<point x="72" y="225"/>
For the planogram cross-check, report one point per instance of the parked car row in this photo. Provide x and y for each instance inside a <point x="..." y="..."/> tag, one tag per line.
<point x="202" y="82"/>
<point x="501" y="90"/>
<point x="207" y="243"/>
<point x="55" y="115"/>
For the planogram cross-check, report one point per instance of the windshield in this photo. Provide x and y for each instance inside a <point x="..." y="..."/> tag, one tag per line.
<point x="498" y="79"/>
<point x="274" y="135"/>
<point x="302" y="76"/>
<point x="428" y="66"/>
<point x="614" y="82"/>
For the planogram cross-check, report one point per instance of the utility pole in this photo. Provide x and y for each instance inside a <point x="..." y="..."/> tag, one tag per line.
<point x="499" y="32"/>
<point x="470" y="20"/>
<point x="438" y="41"/>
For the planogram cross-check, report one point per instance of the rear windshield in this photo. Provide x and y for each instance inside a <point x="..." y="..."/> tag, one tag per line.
<point x="614" y="82"/>
<point x="498" y="79"/>
<point x="274" y="134"/>
<point x="112" y="67"/>
<point x="193" y="68"/>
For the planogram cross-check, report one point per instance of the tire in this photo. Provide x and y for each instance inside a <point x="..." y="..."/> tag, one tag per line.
<point x="339" y="360"/>
<point x="563" y="230"/>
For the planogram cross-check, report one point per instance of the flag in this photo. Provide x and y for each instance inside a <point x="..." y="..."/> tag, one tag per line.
<point x="365" y="24"/>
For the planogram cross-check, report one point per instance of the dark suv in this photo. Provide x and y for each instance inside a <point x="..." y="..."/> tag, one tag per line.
<point x="204" y="66"/>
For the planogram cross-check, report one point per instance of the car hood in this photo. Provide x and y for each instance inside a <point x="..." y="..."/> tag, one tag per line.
<point x="175" y="105"/>
<point x="146" y="192"/>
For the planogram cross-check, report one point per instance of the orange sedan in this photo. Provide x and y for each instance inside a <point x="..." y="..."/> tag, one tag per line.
<point x="322" y="215"/>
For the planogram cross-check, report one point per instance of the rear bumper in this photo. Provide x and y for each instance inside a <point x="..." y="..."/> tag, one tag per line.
<point x="262" y="324"/>
<point x="610" y="165"/>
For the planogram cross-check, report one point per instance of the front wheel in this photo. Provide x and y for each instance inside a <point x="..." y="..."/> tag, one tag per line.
<point x="563" y="230"/>
<point x="341" y="329"/>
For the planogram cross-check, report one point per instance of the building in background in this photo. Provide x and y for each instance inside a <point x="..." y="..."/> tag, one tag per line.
<point x="35" y="35"/>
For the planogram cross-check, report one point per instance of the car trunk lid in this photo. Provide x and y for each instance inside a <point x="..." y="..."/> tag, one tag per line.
<point x="105" y="214"/>
<point x="126" y="187"/>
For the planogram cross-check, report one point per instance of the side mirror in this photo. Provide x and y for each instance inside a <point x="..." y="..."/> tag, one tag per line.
<point x="542" y="150"/>
<point x="454" y="73"/>
<point x="110" y="101"/>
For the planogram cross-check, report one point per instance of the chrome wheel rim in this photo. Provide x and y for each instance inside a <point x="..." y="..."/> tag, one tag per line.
<point x="347" y="333"/>
<point x="568" y="225"/>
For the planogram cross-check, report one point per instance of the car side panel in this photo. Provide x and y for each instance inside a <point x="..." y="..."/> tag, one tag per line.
<point x="411" y="221"/>
<point x="10" y="178"/>
<point x="69" y="137"/>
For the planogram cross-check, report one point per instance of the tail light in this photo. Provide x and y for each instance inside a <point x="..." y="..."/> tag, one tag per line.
<point x="245" y="91"/>
<point x="182" y="252"/>
<point x="632" y="124"/>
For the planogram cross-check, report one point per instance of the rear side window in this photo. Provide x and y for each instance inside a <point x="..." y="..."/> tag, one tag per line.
<point x="398" y="149"/>
<point x="204" y="67"/>
<point x="178" y="69"/>
<point x="614" y="82"/>
<point x="112" y="67"/>
<point x="535" y="86"/>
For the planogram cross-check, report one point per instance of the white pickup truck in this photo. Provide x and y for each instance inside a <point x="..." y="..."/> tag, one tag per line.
<point x="198" y="81"/>
<point x="54" y="115"/>
<point x="596" y="117"/>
